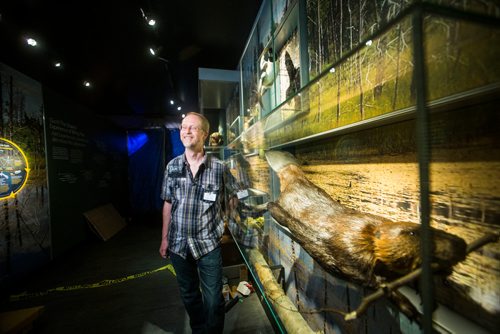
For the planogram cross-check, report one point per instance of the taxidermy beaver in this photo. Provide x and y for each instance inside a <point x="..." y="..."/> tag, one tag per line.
<point x="216" y="139"/>
<point x="363" y="247"/>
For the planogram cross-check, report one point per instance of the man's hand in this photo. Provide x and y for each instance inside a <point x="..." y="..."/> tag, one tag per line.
<point x="233" y="203"/>
<point x="164" y="248"/>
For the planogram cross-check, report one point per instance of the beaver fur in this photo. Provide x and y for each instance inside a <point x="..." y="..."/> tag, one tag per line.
<point x="363" y="247"/>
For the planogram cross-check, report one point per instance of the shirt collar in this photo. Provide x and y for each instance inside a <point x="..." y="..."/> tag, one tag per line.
<point x="206" y="159"/>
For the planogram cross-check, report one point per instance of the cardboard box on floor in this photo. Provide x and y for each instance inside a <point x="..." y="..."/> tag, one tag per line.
<point x="105" y="221"/>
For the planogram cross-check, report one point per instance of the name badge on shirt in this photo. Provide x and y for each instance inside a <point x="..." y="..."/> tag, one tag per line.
<point x="209" y="196"/>
<point x="242" y="194"/>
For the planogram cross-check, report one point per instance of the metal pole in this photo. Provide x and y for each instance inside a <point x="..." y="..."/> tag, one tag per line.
<point x="423" y="149"/>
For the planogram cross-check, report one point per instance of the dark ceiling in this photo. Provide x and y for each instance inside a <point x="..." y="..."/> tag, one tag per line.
<point x="107" y="43"/>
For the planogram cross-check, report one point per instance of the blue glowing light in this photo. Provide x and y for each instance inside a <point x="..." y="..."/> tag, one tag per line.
<point x="136" y="140"/>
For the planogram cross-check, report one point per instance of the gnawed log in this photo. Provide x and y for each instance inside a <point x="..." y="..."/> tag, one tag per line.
<point x="287" y="311"/>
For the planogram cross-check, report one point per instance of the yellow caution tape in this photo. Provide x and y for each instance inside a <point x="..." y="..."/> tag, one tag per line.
<point x="106" y="282"/>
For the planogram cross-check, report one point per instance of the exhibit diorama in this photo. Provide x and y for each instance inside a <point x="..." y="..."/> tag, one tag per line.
<point x="365" y="138"/>
<point x="355" y="124"/>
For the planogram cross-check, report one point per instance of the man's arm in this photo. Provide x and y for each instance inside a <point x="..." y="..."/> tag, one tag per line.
<point x="166" y="217"/>
<point x="231" y="186"/>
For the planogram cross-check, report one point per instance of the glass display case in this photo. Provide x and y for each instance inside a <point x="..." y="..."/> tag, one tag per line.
<point x="233" y="118"/>
<point x="387" y="82"/>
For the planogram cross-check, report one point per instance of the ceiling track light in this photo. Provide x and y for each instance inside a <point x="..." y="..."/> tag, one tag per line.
<point x="31" y="41"/>
<point x="151" y="21"/>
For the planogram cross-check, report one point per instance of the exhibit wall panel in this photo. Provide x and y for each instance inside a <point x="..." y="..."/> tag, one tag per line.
<point x="87" y="168"/>
<point x="25" y="242"/>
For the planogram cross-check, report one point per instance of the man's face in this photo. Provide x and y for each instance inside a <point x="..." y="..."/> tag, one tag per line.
<point x="192" y="134"/>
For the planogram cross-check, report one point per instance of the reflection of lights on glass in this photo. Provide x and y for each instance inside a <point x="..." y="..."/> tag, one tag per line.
<point x="31" y="41"/>
<point x="368" y="43"/>
<point x="152" y="51"/>
<point x="179" y="108"/>
<point x="332" y="70"/>
<point x="86" y="83"/>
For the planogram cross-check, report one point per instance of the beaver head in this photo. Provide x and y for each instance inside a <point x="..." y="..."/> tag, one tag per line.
<point x="397" y="248"/>
<point x="216" y="139"/>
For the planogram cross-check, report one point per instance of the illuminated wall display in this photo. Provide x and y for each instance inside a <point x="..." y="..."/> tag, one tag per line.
<point x="25" y="236"/>
<point x="14" y="169"/>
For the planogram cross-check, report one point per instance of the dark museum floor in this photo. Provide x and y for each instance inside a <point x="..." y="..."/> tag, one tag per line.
<point x="142" y="304"/>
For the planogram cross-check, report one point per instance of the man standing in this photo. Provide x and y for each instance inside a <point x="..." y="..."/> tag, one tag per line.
<point x="193" y="190"/>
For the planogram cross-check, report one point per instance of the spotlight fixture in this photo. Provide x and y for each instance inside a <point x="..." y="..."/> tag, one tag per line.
<point x="172" y="102"/>
<point x="151" y="21"/>
<point x="179" y="108"/>
<point x="152" y="51"/>
<point x="31" y="41"/>
<point x="57" y="64"/>
<point x="183" y="115"/>
<point x="86" y="83"/>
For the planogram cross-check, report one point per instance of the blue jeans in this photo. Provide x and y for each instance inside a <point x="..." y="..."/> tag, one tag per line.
<point x="205" y="307"/>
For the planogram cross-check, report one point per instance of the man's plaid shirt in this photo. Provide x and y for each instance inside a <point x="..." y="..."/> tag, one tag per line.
<point x="196" y="219"/>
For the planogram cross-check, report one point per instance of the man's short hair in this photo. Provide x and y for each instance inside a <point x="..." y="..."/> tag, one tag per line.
<point x="204" y="121"/>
